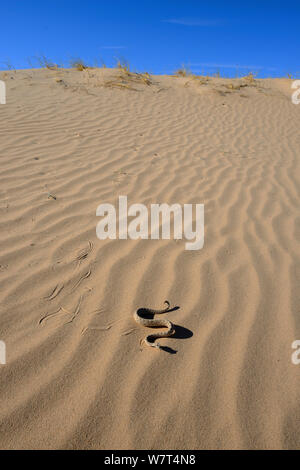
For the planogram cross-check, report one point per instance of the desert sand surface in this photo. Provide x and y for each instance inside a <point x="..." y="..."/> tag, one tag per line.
<point x="76" y="375"/>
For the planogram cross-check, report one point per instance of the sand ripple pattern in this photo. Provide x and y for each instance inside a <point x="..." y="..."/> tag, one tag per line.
<point x="76" y="376"/>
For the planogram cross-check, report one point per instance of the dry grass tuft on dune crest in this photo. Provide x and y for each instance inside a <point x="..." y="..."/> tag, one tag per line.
<point x="76" y="376"/>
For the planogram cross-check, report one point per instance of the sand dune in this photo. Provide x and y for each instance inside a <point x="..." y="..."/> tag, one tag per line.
<point x="86" y="138"/>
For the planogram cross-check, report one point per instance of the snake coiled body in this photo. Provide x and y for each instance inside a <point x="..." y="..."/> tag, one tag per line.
<point x="154" y="322"/>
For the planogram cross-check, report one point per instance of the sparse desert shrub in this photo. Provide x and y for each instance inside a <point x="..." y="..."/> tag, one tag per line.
<point x="46" y="63"/>
<point x="250" y="78"/>
<point x="79" y="64"/>
<point x="144" y="78"/>
<point x="127" y="80"/>
<point x="8" y="65"/>
<point x="183" y="72"/>
<point x="123" y="65"/>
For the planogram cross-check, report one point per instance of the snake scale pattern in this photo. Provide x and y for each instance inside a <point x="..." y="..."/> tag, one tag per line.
<point x="154" y="322"/>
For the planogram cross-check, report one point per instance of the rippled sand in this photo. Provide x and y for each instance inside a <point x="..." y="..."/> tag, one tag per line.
<point x="86" y="138"/>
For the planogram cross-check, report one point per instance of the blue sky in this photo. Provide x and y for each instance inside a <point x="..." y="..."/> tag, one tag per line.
<point x="156" y="36"/>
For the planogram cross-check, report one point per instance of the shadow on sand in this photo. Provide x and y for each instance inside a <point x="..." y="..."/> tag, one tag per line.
<point x="180" y="331"/>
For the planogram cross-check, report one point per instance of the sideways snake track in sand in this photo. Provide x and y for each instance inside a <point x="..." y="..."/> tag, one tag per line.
<point x="154" y="322"/>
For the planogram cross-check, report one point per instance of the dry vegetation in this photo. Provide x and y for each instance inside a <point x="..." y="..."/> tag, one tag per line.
<point x="123" y="78"/>
<point x="79" y="65"/>
<point x="129" y="80"/>
<point x="223" y="85"/>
